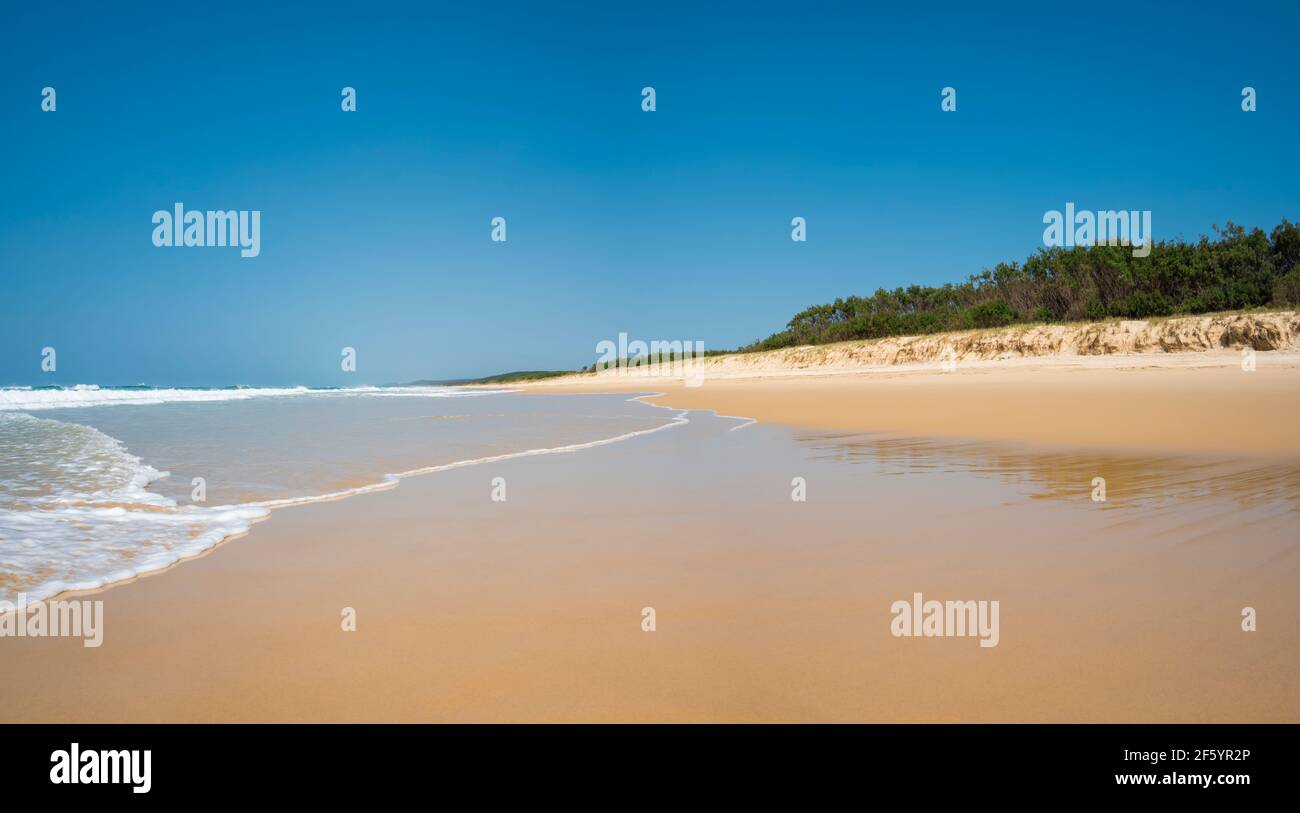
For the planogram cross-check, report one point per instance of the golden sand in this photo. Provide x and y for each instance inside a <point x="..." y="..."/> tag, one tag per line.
<point x="470" y="610"/>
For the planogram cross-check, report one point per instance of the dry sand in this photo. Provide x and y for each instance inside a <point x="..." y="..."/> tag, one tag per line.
<point x="1161" y="402"/>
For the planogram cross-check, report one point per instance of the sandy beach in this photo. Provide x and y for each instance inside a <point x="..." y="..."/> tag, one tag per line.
<point x="1161" y="402"/>
<point x="972" y="484"/>
<point x="1219" y="383"/>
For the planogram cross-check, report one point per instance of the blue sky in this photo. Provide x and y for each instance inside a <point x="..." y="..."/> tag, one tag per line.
<point x="665" y="225"/>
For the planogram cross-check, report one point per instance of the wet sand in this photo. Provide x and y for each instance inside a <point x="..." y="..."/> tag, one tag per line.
<point x="767" y="608"/>
<point x="1160" y="402"/>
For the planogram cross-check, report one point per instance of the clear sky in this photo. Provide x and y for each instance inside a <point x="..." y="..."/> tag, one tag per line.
<point x="675" y="224"/>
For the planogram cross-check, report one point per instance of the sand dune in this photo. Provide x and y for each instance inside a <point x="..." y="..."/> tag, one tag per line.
<point x="1182" y="334"/>
<point x="1179" y="385"/>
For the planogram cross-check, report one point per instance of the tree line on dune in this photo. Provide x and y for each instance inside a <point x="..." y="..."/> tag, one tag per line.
<point x="1236" y="270"/>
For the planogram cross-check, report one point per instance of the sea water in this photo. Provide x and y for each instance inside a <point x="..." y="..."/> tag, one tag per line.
<point x="99" y="485"/>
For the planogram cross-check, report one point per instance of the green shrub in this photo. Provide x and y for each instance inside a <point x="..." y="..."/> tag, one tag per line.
<point x="990" y="314"/>
<point x="1142" y="304"/>
<point x="1286" y="291"/>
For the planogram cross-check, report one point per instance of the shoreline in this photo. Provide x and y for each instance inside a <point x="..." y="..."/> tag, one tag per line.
<point x="1179" y="403"/>
<point x="768" y="610"/>
<point x="388" y="482"/>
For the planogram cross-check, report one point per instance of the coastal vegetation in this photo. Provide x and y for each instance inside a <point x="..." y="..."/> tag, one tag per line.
<point x="1236" y="270"/>
<point x="515" y="377"/>
<point x="500" y="378"/>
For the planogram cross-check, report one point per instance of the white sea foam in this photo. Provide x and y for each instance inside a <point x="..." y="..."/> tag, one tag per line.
<point x="26" y="399"/>
<point x="44" y="553"/>
<point x="76" y="512"/>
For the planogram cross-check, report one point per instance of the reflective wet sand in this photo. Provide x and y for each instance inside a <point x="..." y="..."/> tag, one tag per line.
<point x="766" y="608"/>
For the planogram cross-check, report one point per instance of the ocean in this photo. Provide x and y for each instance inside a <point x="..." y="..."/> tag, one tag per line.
<point x="99" y="485"/>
